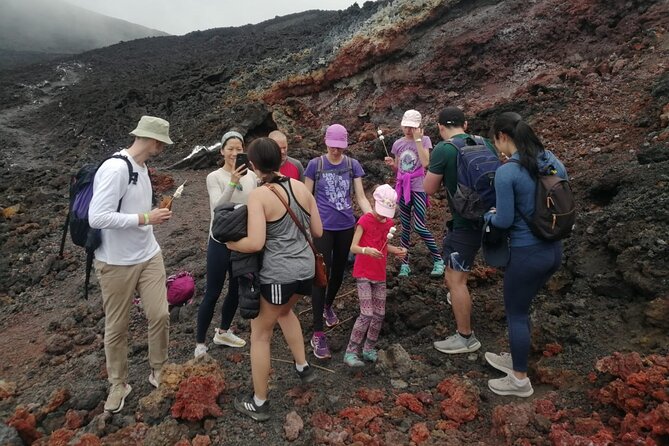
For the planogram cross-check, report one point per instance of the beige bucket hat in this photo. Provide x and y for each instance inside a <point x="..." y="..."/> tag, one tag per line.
<point x="154" y="128"/>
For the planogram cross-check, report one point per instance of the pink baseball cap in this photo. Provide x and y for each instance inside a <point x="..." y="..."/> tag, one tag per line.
<point x="336" y="136"/>
<point x="411" y="118"/>
<point x="385" y="199"/>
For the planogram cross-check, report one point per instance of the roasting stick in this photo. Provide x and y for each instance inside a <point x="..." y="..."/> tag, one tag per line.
<point x="338" y="297"/>
<point x="291" y="362"/>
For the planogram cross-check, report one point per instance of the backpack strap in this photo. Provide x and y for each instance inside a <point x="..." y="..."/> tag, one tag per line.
<point x="522" y="215"/>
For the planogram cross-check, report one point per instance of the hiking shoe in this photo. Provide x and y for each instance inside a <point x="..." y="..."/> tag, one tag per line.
<point x="116" y="398"/>
<point x="352" y="360"/>
<point x="370" y="355"/>
<point x="331" y="318"/>
<point x="248" y="407"/>
<point x="458" y="344"/>
<point x="200" y="349"/>
<point x="509" y="386"/>
<point x="501" y="362"/>
<point x="307" y="375"/>
<point x="154" y="378"/>
<point x="224" y="337"/>
<point x="404" y="270"/>
<point x="438" y="269"/>
<point x="320" y="346"/>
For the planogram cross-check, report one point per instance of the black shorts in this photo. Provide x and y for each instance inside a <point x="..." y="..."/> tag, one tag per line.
<point x="460" y="248"/>
<point x="280" y="293"/>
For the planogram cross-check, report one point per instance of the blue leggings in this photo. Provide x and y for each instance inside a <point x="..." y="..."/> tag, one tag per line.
<point x="218" y="266"/>
<point x="528" y="270"/>
<point x="416" y="208"/>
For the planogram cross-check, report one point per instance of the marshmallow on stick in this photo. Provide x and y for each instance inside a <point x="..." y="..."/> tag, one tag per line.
<point x="168" y="204"/>
<point x="382" y="138"/>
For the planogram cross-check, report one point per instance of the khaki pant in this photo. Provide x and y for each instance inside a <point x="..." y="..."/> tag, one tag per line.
<point x="118" y="282"/>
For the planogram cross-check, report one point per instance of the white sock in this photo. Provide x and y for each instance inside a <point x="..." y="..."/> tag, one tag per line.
<point x="520" y="382"/>
<point x="258" y="401"/>
<point x="301" y="367"/>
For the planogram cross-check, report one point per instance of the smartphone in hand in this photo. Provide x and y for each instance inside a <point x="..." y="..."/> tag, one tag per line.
<point x="242" y="160"/>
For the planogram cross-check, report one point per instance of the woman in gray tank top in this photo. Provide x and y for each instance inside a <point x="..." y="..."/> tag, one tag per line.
<point x="287" y="271"/>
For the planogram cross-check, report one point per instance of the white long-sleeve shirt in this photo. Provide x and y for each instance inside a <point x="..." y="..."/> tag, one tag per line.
<point x="124" y="241"/>
<point x="221" y="192"/>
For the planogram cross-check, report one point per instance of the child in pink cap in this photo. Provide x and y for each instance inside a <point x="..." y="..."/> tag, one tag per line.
<point x="411" y="158"/>
<point x="370" y="242"/>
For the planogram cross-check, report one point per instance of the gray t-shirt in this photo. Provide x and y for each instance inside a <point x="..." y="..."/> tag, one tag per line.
<point x="288" y="257"/>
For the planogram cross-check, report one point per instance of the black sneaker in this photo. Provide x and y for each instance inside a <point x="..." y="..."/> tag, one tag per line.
<point x="248" y="407"/>
<point x="307" y="375"/>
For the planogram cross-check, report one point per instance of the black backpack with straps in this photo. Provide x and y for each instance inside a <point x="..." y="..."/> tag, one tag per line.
<point x="81" y="193"/>
<point x="554" y="215"/>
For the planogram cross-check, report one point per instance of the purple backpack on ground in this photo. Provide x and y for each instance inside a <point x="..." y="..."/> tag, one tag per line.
<point x="180" y="289"/>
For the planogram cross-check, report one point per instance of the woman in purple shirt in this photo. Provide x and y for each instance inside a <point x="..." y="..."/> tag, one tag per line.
<point x="411" y="158"/>
<point x="334" y="178"/>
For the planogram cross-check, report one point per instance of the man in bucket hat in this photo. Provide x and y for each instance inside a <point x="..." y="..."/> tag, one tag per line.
<point x="129" y="258"/>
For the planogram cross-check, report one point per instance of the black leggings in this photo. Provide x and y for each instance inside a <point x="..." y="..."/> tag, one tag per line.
<point x="335" y="246"/>
<point x="218" y="266"/>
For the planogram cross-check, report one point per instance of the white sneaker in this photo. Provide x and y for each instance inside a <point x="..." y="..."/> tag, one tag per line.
<point x="116" y="398"/>
<point x="228" y="338"/>
<point x="154" y="378"/>
<point x="502" y="362"/>
<point x="458" y="344"/>
<point x="509" y="385"/>
<point x="200" y="349"/>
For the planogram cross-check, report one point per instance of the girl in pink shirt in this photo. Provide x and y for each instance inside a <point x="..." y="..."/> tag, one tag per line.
<point x="370" y="243"/>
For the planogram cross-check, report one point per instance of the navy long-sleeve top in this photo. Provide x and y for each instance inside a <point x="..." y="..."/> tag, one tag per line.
<point x="515" y="191"/>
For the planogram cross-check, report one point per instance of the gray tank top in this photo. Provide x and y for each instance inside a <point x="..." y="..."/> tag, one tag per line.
<point x="288" y="257"/>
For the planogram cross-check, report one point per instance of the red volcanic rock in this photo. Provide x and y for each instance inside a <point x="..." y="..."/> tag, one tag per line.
<point x="462" y="398"/>
<point x="87" y="440"/>
<point x="371" y="396"/>
<point x="201" y="440"/>
<point x="197" y="398"/>
<point x="621" y="365"/>
<point x="410" y="402"/>
<point x="293" y="426"/>
<point x="559" y="436"/>
<point x="235" y="357"/>
<point x="361" y="416"/>
<point x="552" y="349"/>
<point x="182" y="442"/>
<point x="161" y="182"/>
<point x="25" y="424"/>
<point x="60" y="437"/>
<point x="556" y="377"/>
<point x="301" y="395"/>
<point x="133" y="435"/>
<point x="321" y="420"/>
<point x="74" y="419"/>
<point x="419" y="433"/>
<point x="425" y="397"/>
<point x="57" y="398"/>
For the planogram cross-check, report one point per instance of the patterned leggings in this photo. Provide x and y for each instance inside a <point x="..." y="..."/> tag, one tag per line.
<point x="367" y="326"/>
<point x="418" y="203"/>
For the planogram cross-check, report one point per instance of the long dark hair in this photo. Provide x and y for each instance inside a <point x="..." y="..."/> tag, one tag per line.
<point x="527" y="142"/>
<point x="265" y="155"/>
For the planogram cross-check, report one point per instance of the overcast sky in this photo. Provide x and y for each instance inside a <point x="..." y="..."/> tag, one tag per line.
<point x="183" y="16"/>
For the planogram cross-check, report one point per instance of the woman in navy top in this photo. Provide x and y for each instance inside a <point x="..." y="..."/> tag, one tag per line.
<point x="532" y="260"/>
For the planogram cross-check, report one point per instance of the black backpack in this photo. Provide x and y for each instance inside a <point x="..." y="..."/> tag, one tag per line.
<point x="81" y="193"/>
<point x="554" y="207"/>
<point x="476" y="167"/>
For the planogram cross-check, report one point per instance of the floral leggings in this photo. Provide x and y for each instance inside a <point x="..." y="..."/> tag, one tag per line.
<point x="367" y="326"/>
<point x="418" y="205"/>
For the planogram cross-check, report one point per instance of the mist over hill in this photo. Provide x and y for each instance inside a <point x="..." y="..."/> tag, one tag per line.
<point x="34" y="30"/>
